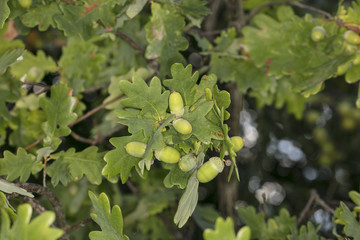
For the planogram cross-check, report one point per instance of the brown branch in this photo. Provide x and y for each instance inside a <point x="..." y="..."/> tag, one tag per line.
<point x="70" y="2"/>
<point x="82" y="139"/>
<point x="95" y="88"/>
<point x="88" y="114"/>
<point x="322" y="203"/>
<point x="47" y="87"/>
<point x="95" y="110"/>
<point x="34" y="143"/>
<point x="124" y="36"/>
<point x="295" y="4"/>
<point x="78" y="225"/>
<point x="314" y="197"/>
<point x="210" y="20"/>
<point x="132" y="187"/>
<point x="306" y="208"/>
<point x="36" y="188"/>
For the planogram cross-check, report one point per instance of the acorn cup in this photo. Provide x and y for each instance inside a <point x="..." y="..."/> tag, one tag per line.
<point x="187" y="162"/>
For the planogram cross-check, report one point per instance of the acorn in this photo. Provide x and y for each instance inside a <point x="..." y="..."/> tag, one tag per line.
<point x="210" y="169"/>
<point x="136" y="149"/>
<point x="176" y="104"/>
<point x="168" y="155"/>
<point x="182" y="126"/>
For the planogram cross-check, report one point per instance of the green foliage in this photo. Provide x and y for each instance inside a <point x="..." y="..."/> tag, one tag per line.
<point x="109" y="220"/>
<point x="4" y="13"/>
<point x="163" y="36"/>
<point x="71" y="165"/>
<point x="345" y="217"/>
<point x="21" y="165"/>
<point x="8" y="58"/>
<point x="223" y="230"/>
<point x="33" y="68"/>
<point x="23" y="228"/>
<point x="187" y="202"/>
<point x="118" y="160"/>
<point x="278" y="227"/>
<point x="9" y="188"/>
<point x="58" y="110"/>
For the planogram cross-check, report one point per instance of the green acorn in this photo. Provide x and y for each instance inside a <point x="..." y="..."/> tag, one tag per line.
<point x="244" y="233"/>
<point x="187" y="162"/>
<point x="168" y="155"/>
<point x="238" y="143"/>
<point x="176" y="104"/>
<point x="318" y="33"/>
<point x="25" y="3"/>
<point x="343" y="68"/>
<point x="182" y="126"/>
<point x="135" y="149"/>
<point x="210" y="169"/>
<point x="352" y="37"/>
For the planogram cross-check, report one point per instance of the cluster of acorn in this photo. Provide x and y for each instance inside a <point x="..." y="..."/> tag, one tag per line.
<point x="352" y="40"/>
<point x="208" y="171"/>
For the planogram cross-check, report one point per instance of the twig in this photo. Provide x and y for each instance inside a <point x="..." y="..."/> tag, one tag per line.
<point x="295" y="4"/>
<point x="95" y="110"/>
<point x="95" y="88"/>
<point x="44" y="171"/>
<point x="82" y="139"/>
<point x="47" y="87"/>
<point x="36" y="188"/>
<point x="211" y="19"/>
<point x="306" y="208"/>
<point x="130" y="41"/>
<point x="88" y="114"/>
<point x="124" y="36"/>
<point x="36" y="205"/>
<point x="70" y="2"/>
<point x="132" y="187"/>
<point x="314" y="197"/>
<point x="322" y="203"/>
<point x="241" y="15"/>
<point x="34" y="143"/>
<point x="78" y="225"/>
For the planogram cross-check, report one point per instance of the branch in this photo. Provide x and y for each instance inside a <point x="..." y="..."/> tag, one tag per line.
<point x="88" y="114"/>
<point x="314" y="197"/>
<point x="70" y="2"/>
<point x="34" y="143"/>
<point x="95" y="88"/>
<point x="78" y="225"/>
<point x="295" y="4"/>
<point x="95" y="110"/>
<point x="124" y="36"/>
<point x="83" y="140"/>
<point x="36" y="188"/>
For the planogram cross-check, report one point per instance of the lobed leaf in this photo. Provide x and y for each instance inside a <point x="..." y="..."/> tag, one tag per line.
<point x="164" y="35"/>
<point x="224" y="230"/>
<point x="26" y="229"/>
<point x="71" y="165"/>
<point x="21" y="165"/>
<point x="59" y="113"/>
<point x="118" y="161"/>
<point x="110" y="221"/>
<point x="4" y="13"/>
